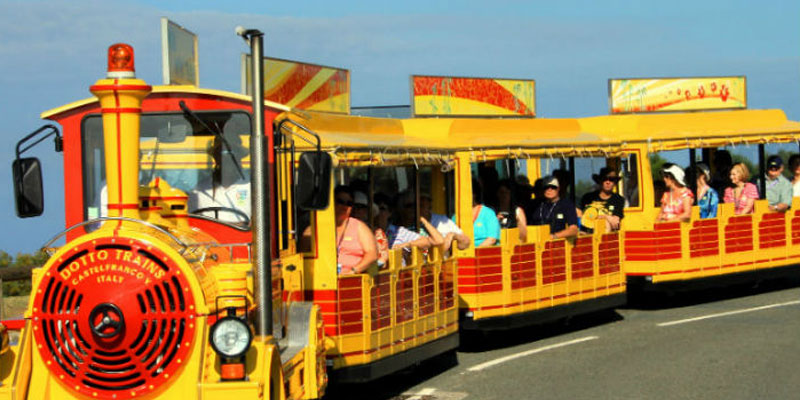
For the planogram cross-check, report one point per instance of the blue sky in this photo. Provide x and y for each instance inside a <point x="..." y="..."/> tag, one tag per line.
<point x="51" y="51"/>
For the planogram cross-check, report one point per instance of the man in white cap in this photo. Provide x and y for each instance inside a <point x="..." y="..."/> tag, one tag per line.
<point x="559" y="213"/>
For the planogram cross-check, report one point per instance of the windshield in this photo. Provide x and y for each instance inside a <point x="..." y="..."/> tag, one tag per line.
<point x="183" y="152"/>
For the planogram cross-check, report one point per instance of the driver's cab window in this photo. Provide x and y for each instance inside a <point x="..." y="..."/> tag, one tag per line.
<point x="208" y="160"/>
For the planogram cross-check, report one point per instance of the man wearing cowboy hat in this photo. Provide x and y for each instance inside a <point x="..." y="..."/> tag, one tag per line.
<point x="603" y="203"/>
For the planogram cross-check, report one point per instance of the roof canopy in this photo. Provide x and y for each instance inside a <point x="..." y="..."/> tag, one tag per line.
<point x="698" y="129"/>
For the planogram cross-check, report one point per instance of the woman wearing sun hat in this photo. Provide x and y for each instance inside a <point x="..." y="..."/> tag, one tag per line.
<point x="676" y="203"/>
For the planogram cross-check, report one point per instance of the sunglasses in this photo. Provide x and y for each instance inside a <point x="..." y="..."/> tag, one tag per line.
<point x="348" y="203"/>
<point x="614" y="179"/>
<point x="774" y="168"/>
<point x="551" y="187"/>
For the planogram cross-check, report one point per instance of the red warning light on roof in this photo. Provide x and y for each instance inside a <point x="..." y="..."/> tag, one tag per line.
<point x="120" y="61"/>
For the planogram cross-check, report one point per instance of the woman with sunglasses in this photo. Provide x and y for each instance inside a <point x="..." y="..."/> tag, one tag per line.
<point x="356" y="248"/>
<point x="603" y="203"/>
<point x="676" y="202"/>
<point x="743" y="194"/>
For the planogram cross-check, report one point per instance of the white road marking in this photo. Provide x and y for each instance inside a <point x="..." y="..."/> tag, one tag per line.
<point x="724" y="314"/>
<point x="423" y="392"/>
<point x="492" y="363"/>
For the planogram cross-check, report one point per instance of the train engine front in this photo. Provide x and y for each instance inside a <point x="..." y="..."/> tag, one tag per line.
<point x="141" y="306"/>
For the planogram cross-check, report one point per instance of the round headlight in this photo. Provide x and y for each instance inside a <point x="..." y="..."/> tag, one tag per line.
<point x="230" y="337"/>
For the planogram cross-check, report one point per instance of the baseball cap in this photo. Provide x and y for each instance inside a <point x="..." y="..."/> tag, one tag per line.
<point x="550" y="181"/>
<point x="774" y="161"/>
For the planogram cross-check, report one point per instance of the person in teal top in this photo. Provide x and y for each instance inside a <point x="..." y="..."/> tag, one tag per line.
<point x="707" y="197"/>
<point x="485" y="226"/>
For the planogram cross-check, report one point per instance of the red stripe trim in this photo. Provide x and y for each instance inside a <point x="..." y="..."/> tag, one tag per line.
<point x="117" y="86"/>
<point x="14" y="324"/>
<point x="121" y="110"/>
<point x="128" y="206"/>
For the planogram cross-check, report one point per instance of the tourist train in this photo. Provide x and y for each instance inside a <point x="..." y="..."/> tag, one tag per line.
<point x="205" y="230"/>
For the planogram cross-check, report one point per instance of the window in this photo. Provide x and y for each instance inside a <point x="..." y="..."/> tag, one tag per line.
<point x="185" y="154"/>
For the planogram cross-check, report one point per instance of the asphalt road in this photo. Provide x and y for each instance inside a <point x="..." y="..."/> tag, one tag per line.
<point x="736" y="343"/>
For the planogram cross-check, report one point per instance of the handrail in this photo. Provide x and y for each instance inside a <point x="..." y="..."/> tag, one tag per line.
<point x="100" y="219"/>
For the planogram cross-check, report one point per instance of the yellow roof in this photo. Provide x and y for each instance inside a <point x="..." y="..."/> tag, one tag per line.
<point x="188" y="89"/>
<point x="447" y="134"/>
<point x="706" y="127"/>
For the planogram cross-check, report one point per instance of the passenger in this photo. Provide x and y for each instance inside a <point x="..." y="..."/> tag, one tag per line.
<point x="533" y="202"/>
<point x="445" y="226"/>
<point x="603" y="203"/>
<point x="743" y="194"/>
<point x="507" y="205"/>
<point x="381" y="224"/>
<point x="720" y="180"/>
<point x="355" y="244"/>
<point x="779" y="190"/>
<point x="794" y="168"/>
<point x="707" y="197"/>
<point x="557" y="212"/>
<point x="403" y="235"/>
<point x="564" y="178"/>
<point x="632" y="188"/>
<point x="361" y="207"/>
<point x="486" y="228"/>
<point x="676" y="203"/>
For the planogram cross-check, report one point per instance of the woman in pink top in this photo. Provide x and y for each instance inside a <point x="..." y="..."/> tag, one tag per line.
<point x="743" y="194"/>
<point x="355" y="243"/>
<point x="676" y="203"/>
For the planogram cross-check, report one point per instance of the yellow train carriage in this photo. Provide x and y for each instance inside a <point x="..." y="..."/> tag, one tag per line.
<point x="511" y="284"/>
<point x="702" y="251"/>
<point x="389" y="318"/>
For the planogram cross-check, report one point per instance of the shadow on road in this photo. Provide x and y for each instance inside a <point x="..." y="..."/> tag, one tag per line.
<point x="393" y="386"/>
<point x="683" y="298"/>
<point x="480" y="341"/>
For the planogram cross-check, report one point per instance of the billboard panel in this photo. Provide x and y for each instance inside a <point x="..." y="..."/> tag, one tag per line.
<point x="178" y="54"/>
<point x="677" y="94"/>
<point x="302" y="85"/>
<point x="458" y="96"/>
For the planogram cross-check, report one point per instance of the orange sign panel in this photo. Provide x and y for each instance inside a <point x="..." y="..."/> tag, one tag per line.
<point x="677" y="94"/>
<point x="454" y="96"/>
<point x="302" y="85"/>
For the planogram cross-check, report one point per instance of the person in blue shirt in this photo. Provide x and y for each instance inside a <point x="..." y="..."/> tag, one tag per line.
<point x="707" y="197"/>
<point x="485" y="226"/>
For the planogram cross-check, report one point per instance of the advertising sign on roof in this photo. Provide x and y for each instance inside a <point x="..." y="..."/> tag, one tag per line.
<point x="302" y="85"/>
<point x="178" y="54"/>
<point x="472" y="97"/>
<point x="676" y="94"/>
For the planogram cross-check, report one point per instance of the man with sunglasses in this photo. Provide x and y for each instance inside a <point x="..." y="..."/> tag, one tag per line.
<point x="779" y="189"/>
<point x="557" y="212"/>
<point x="603" y="203"/>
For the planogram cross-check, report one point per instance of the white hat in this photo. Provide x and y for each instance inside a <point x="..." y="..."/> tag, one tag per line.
<point x="361" y="199"/>
<point x="677" y="173"/>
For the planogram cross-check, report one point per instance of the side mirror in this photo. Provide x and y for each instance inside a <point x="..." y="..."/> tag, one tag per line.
<point x="313" y="180"/>
<point x="28" y="193"/>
